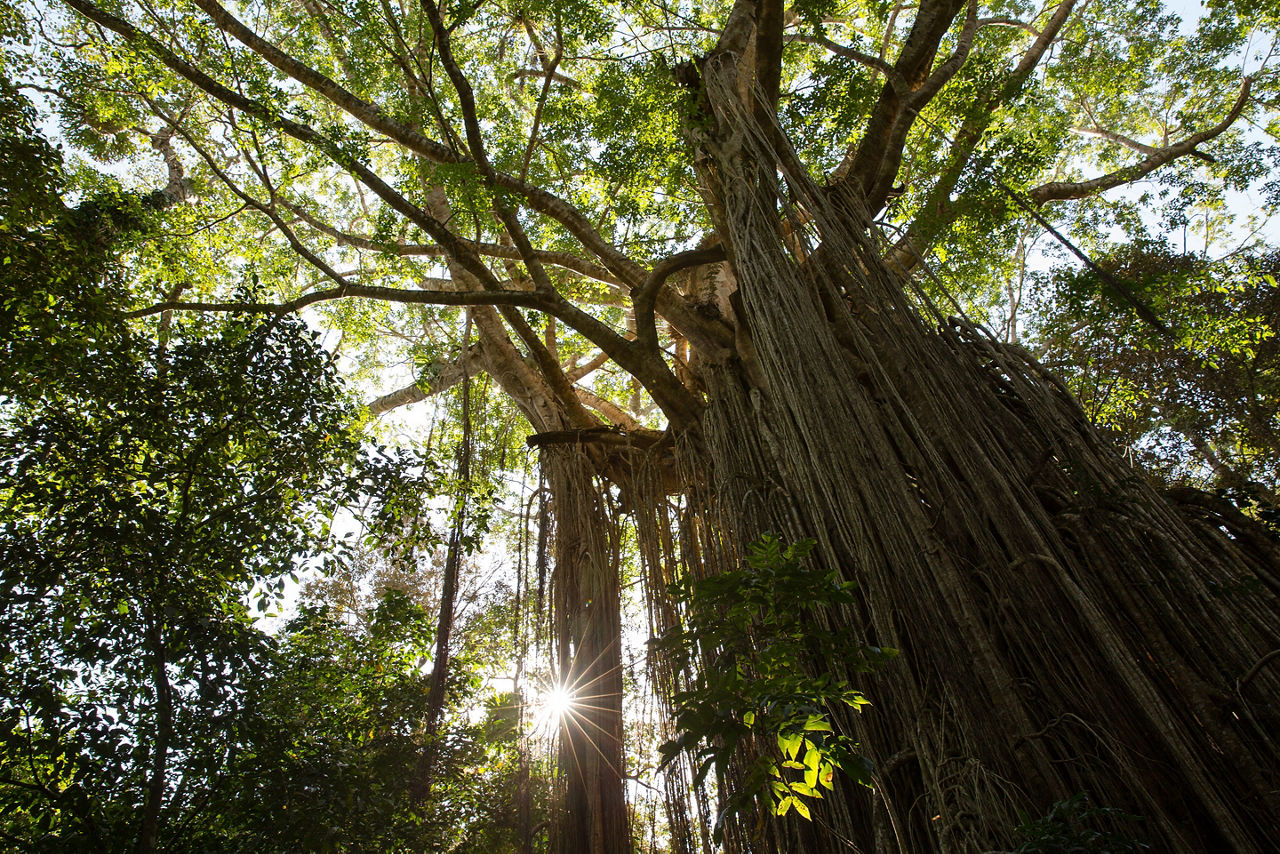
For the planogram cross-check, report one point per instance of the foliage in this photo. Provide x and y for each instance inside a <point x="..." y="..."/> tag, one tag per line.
<point x="141" y="508"/>
<point x="766" y="672"/>
<point x="1198" y="404"/>
<point x="1070" y="828"/>
<point x="59" y="287"/>
<point x="332" y="746"/>
<point x="340" y="155"/>
<point x="153" y="486"/>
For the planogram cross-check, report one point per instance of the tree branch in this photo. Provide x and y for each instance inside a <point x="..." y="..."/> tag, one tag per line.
<point x="873" y="62"/>
<point x="1140" y="147"/>
<point x="608" y="409"/>
<point x="770" y="23"/>
<point x="415" y="141"/>
<point x="1002" y="21"/>
<point x="608" y="436"/>
<point x="644" y="298"/>
<point x="948" y="67"/>
<point x="938" y="211"/>
<point x="566" y="260"/>
<point x="1062" y="190"/>
<point x="579" y="371"/>
<point x="526" y="299"/>
<point x="914" y="102"/>
<point x="642" y="362"/>
<point x="865" y="163"/>
<point x="554" y="75"/>
<point x="443" y="376"/>
<point x="550" y="69"/>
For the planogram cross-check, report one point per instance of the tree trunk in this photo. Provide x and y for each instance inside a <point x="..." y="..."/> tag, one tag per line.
<point x="588" y="634"/>
<point x="585" y="581"/>
<point x="1063" y="629"/>
<point x="149" y="831"/>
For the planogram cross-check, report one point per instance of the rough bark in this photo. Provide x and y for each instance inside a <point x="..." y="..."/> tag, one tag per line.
<point x="149" y="829"/>
<point x="585" y="611"/>
<point x="1064" y="629"/>
<point x="588" y="633"/>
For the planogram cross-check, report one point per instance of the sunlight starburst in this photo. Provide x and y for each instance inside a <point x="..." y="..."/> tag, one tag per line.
<point x="558" y="702"/>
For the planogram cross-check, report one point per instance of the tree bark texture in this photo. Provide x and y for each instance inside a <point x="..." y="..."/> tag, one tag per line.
<point x="588" y="634"/>
<point x="1064" y="629"/>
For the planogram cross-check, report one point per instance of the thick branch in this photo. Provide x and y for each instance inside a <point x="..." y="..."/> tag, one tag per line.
<point x="948" y="67"/>
<point x="439" y="377"/>
<point x="178" y="189"/>
<point x="609" y="436"/>
<point x="768" y="71"/>
<point x="608" y="409"/>
<point x="567" y="260"/>
<point x="1061" y="190"/>
<point x="873" y="62"/>
<point x="645" y="297"/>
<point x="938" y="211"/>
<point x="864" y="165"/>
<point x="527" y="299"/>
<point x="1140" y="147"/>
<point x="737" y="28"/>
<point x="879" y="189"/>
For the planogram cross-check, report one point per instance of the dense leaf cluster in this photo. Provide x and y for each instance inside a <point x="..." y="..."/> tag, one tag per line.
<point x="154" y="485"/>
<point x="1198" y="404"/>
<point x="766" y="672"/>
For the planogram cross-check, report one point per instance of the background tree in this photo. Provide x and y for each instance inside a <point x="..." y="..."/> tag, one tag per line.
<point x="154" y="487"/>
<point x="1198" y="405"/>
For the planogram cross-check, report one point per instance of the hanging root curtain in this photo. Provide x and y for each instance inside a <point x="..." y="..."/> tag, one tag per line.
<point x="1064" y="628"/>
<point x="587" y="629"/>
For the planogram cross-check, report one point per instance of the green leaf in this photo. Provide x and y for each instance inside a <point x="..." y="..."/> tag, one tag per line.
<point x="811" y="777"/>
<point x="826" y="776"/>
<point x="817" y="723"/>
<point x="789" y="743"/>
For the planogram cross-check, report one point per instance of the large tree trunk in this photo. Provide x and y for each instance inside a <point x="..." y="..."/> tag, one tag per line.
<point x="588" y="636"/>
<point x="585" y="612"/>
<point x="1063" y="628"/>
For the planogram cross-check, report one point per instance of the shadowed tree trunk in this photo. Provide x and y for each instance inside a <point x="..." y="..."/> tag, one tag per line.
<point x="584" y="577"/>
<point x="1063" y="628"/>
<point x="585" y="610"/>
<point x="588" y="636"/>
